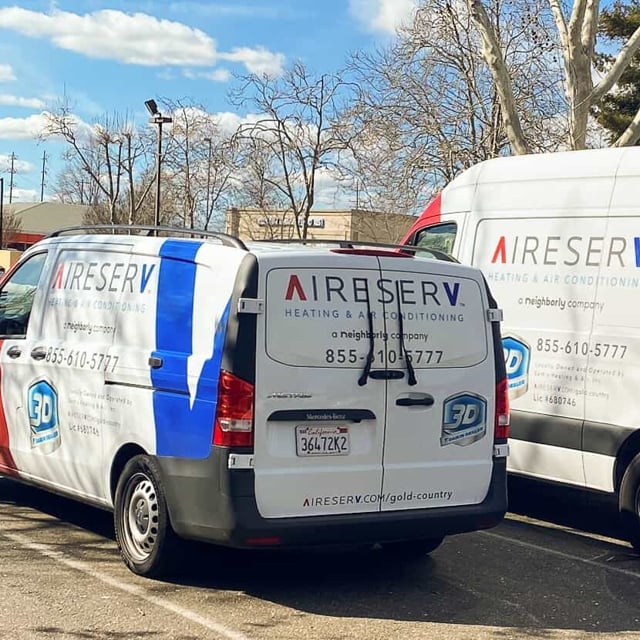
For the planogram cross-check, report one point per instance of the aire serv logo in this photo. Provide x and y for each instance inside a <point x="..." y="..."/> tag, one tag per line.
<point x="340" y="289"/>
<point x="584" y="251"/>
<point x="116" y="277"/>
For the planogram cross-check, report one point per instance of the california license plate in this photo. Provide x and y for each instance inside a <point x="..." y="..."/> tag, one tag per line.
<point x="322" y="441"/>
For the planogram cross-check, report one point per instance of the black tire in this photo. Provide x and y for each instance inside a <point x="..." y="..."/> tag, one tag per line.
<point x="629" y="503"/>
<point x="146" y="540"/>
<point x="411" y="549"/>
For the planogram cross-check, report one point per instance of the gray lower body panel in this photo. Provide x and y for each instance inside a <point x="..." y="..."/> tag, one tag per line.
<point x="209" y="502"/>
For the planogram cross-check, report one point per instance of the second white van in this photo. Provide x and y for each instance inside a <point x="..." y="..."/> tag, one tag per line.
<point x="558" y="238"/>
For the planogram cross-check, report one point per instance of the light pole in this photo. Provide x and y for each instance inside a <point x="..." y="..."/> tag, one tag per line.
<point x="159" y="119"/>
<point x="206" y="224"/>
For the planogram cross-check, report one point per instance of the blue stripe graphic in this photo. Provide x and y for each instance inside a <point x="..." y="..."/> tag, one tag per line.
<point x="182" y="430"/>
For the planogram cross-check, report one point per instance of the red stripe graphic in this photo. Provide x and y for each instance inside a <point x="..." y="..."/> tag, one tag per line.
<point x="7" y="463"/>
<point x="431" y="215"/>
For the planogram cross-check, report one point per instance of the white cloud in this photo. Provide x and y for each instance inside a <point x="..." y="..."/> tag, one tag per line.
<point x="259" y="61"/>
<point x="217" y="75"/>
<point x="22" y="195"/>
<point x="382" y="16"/>
<point x="35" y="126"/>
<point x="22" y="128"/>
<point x="20" y="166"/>
<point x="17" y="101"/>
<point x="228" y="122"/>
<point x="6" y="73"/>
<point x="113" y="35"/>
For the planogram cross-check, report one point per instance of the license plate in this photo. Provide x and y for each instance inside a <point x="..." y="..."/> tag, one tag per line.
<point x="322" y="441"/>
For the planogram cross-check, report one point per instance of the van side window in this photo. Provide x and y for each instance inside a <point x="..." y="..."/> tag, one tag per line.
<point x="439" y="236"/>
<point x="16" y="296"/>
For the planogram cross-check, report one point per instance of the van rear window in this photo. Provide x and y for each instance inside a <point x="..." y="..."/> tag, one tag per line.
<point x="325" y="317"/>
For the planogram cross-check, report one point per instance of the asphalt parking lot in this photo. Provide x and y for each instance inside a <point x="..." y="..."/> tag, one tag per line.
<point x="555" y="568"/>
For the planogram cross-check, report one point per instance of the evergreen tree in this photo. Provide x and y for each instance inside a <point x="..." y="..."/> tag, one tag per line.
<point x="618" y="108"/>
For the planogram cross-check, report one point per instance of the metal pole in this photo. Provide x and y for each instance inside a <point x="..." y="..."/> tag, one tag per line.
<point x="206" y="225"/>
<point x="158" y="166"/>
<point x="44" y="170"/>
<point x="12" y="172"/>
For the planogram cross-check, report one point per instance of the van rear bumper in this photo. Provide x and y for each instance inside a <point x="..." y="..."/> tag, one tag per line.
<point x="211" y="503"/>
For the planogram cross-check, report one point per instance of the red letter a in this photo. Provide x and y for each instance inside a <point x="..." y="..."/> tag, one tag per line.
<point x="294" y="286"/>
<point x="57" y="279"/>
<point x="500" y="252"/>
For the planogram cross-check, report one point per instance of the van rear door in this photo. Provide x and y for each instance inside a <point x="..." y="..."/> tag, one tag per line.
<point x="438" y="445"/>
<point x="318" y="433"/>
<point x="334" y="436"/>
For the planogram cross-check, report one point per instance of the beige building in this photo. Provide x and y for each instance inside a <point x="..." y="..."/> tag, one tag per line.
<point x="350" y="224"/>
<point x="38" y="219"/>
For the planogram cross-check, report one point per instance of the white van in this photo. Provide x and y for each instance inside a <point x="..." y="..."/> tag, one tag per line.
<point x="558" y="238"/>
<point x="272" y="396"/>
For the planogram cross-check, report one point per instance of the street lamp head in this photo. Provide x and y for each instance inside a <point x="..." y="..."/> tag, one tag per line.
<point x="152" y="107"/>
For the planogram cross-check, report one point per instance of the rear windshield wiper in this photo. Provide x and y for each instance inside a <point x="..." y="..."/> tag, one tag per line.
<point x="362" y="380"/>
<point x="403" y="347"/>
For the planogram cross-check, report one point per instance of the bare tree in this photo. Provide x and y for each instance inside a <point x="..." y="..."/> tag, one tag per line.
<point x="297" y="133"/>
<point x="102" y="161"/>
<point x="576" y="33"/>
<point x="11" y="226"/>
<point x="199" y="166"/>
<point x="427" y="106"/>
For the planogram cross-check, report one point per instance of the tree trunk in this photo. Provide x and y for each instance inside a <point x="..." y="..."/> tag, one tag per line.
<point x="492" y="54"/>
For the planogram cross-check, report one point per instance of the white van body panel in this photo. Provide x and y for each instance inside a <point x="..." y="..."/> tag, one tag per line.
<point x="555" y="464"/>
<point x="557" y="237"/>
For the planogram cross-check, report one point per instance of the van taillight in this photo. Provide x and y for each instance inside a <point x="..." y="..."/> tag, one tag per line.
<point x="234" y="413"/>
<point x="501" y="430"/>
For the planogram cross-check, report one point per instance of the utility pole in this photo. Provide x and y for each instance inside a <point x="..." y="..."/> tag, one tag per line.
<point x="207" y="214"/>
<point x="11" y="173"/>
<point x="44" y="172"/>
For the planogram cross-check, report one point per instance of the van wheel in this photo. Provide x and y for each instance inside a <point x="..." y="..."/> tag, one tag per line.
<point x="143" y="531"/>
<point x="629" y="503"/>
<point x="411" y="549"/>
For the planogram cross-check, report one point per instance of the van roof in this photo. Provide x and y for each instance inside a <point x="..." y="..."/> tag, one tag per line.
<point x="576" y="182"/>
<point x="589" y="163"/>
<point x="143" y="236"/>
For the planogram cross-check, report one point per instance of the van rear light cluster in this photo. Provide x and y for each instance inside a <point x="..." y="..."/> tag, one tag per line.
<point x="234" y="413"/>
<point x="501" y="429"/>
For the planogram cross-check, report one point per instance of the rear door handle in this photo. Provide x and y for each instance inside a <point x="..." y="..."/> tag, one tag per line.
<point x="14" y="352"/>
<point x="39" y="353"/>
<point x="425" y="401"/>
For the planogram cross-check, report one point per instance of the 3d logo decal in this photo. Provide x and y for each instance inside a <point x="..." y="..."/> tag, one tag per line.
<point x="517" y="355"/>
<point x="464" y="419"/>
<point x="42" y="401"/>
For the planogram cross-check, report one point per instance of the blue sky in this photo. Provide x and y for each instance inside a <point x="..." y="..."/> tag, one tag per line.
<point x="112" y="55"/>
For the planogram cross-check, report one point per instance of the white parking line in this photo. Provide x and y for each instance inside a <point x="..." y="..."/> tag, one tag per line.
<point x="211" y="625"/>
<point x="561" y="554"/>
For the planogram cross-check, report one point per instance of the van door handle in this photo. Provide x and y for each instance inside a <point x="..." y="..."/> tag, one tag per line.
<point x="14" y="352"/>
<point x="425" y="401"/>
<point x="39" y="353"/>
